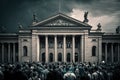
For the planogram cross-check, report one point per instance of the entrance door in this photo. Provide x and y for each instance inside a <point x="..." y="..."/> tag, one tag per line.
<point x="43" y="57"/>
<point x="51" y="57"/>
<point x="60" y="57"/>
<point x="68" y="57"/>
<point x="76" y="57"/>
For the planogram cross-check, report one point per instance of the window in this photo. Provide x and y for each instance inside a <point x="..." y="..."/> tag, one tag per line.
<point x="94" y="51"/>
<point x="51" y="44"/>
<point x="68" y="44"/>
<point x="25" y="51"/>
<point x="94" y="40"/>
<point x="51" y="41"/>
<point x="76" y="45"/>
<point x="60" y="44"/>
<point x="25" y="40"/>
<point x="43" y="45"/>
<point x="42" y="41"/>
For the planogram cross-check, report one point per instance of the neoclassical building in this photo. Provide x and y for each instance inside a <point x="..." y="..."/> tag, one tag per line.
<point x="59" y="38"/>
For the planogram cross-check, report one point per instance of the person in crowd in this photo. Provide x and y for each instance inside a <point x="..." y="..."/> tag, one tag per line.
<point x="60" y="71"/>
<point x="69" y="75"/>
<point x="1" y="74"/>
<point x="53" y="74"/>
<point x="19" y="74"/>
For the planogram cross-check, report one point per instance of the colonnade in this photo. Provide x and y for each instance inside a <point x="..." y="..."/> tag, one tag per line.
<point x="64" y="48"/>
<point x="111" y="52"/>
<point x="8" y="52"/>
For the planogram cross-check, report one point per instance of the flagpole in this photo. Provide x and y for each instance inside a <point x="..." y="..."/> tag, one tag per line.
<point x="59" y="6"/>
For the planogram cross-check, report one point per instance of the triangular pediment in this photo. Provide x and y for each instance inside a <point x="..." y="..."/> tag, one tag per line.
<point x="60" y="20"/>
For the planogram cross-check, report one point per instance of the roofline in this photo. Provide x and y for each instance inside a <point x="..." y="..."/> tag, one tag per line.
<point x="54" y="27"/>
<point x="9" y="34"/>
<point x="61" y="14"/>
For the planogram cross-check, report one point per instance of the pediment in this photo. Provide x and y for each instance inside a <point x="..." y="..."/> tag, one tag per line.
<point x="60" y="20"/>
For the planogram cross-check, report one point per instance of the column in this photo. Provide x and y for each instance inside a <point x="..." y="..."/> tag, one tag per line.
<point x="9" y="52"/>
<point x="73" y="48"/>
<point x="38" y="48"/>
<point x="100" y="49"/>
<point x="106" y="52"/>
<point x="2" y="52"/>
<point x="118" y="52"/>
<point x="55" y="40"/>
<point x="13" y="52"/>
<point x="46" y="48"/>
<point x="112" y="52"/>
<point x="82" y="48"/>
<point x="40" y="56"/>
<point x="35" y="46"/>
<point x="64" y="41"/>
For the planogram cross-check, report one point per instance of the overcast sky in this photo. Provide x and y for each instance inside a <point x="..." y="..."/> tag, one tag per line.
<point x="106" y="12"/>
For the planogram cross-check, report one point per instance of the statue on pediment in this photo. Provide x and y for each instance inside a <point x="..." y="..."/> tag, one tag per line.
<point x="20" y="26"/>
<point x="118" y="30"/>
<point x="86" y="17"/>
<point x="34" y="18"/>
<point x="99" y="27"/>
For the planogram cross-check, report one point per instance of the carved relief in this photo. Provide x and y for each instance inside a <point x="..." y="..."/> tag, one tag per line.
<point x="60" y="22"/>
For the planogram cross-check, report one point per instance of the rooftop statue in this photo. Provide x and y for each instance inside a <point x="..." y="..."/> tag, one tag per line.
<point x="34" y="17"/>
<point x="99" y="27"/>
<point x="20" y="26"/>
<point x="86" y="17"/>
<point x="118" y="30"/>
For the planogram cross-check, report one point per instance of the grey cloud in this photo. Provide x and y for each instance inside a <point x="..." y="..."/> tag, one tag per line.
<point x="21" y="11"/>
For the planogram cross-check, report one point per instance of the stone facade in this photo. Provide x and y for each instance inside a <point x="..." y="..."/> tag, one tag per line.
<point x="59" y="39"/>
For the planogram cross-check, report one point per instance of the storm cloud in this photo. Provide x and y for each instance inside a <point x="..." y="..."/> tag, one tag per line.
<point x="13" y="12"/>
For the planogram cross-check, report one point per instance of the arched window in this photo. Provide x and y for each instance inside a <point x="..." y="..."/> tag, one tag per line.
<point x="60" y="57"/>
<point x="43" y="57"/>
<point x="94" y="51"/>
<point x="25" y="51"/>
<point x="68" y="57"/>
<point x="51" y="57"/>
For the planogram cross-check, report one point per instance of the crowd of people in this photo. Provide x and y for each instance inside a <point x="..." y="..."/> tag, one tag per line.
<point x="60" y="71"/>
